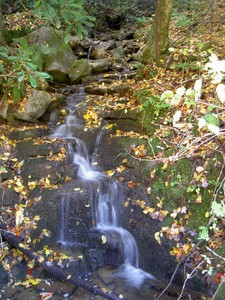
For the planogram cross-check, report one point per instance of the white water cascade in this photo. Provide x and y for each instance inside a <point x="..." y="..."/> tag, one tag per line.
<point x="106" y="210"/>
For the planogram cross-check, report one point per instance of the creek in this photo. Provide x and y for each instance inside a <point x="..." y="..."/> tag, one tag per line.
<point x="105" y="210"/>
<point x="111" y="245"/>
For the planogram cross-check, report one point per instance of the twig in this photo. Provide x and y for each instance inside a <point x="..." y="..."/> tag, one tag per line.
<point x="176" y="269"/>
<point x="189" y="276"/>
<point x="217" y="255"/>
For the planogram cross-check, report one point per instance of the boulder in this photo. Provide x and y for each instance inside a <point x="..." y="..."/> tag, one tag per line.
<point x="99" y="66"/>
<point x="79" y="70"/>
<point x="57" y="55"/>
<point x="34" y="108"/>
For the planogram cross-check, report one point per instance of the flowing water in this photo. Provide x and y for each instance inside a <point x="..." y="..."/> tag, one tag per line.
<point x="106" y="209"/>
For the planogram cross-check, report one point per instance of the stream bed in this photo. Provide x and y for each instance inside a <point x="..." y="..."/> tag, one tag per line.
<point x="110" y="246"/>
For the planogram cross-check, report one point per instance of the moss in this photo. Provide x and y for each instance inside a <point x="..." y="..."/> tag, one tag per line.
<point x="172" y="183"/>
<point x="9" y="35"/>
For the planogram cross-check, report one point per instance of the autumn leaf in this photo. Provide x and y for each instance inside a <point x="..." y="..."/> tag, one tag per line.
<point x="104" y="239"/>
<point x="46" y="295"/>
<point x="131" y="184"/>
<point x="34" y="281"/>
<point x="19" y="214"/>
<point x="157" y="236"/>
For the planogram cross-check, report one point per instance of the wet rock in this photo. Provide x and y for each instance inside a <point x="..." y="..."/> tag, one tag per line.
<point x="4" y="277"/>
<point x="109" y="246"/>
<point x="26" y="133"/>
<point x="8" y="197"/>
<point x="29" y="149"/>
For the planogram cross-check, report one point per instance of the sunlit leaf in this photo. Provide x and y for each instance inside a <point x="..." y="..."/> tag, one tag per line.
<point x="104" y="239"/>
<point x="33" y="81"/>
<point x="34" y="281"/>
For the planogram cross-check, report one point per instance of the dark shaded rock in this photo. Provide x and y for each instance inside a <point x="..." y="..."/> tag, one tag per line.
<point x="102" y="90"/>
<point x="8" y="197"/>
<point x="120" y="114"/>
<point x="37" y="168"/>
<point x="33" y="133"/>
<point x="28" y="149"/>
<point x="4" y="277"/>
<point x="110" y="249"/>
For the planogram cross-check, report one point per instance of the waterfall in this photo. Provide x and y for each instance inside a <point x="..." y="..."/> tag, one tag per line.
<point x="106" y="209"/>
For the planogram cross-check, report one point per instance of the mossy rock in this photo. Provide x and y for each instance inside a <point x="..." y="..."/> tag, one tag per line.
<point x="171" y="182"/>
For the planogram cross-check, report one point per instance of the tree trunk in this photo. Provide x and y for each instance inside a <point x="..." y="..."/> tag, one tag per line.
<point x="158" y="37"/>
<point x="2" y="39"/>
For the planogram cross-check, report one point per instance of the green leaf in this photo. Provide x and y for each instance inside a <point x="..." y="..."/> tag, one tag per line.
<point x="3" y="52"/>
<point x="13" y="58"/>
<point x="16" y="93"/>
<point x="218" y="209"/>
<point x="33" y="81"/>
<point x="57" y="23"/>
<point x="43" y="75"/>
<point x="212" y="119"/>
<point x="88" y="23"/>
<point x="1" y="68"/>
<point x="37" y="3"/>
<point x="204" y="233"/>
<point x="3" y="170"/>
<point x="21" y="78"/>
<point x="31" y="66"/>
<point x="50" y="12"/>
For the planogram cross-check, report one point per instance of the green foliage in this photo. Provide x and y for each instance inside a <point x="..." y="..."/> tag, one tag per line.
<point x="143" y="71"/>
<point x="151" y="106"/>
<point x="186" y="5"/>
<point x="19" y="70"/>
<point x="70" y="15"/>
<point x="184" y="21"/>
<point x="153" y="103"/>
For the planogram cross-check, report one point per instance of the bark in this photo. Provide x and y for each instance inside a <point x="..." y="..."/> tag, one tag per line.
<point x="2" y="39"/>
<point x="158" y="38"/>
<point x="54" y="271"/>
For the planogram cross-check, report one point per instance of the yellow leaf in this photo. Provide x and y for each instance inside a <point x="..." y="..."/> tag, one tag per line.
<point x="120" y="169"/>
<point x="19" y="214"/>
<point x="110" y="173"/>
<point x="104" y="239"/>
<point x="34" y="281"/>
<point x="37" y="218"/>
<point x="32" y="184"/>
<point x="148" y="210"/>
<point x="40" y="259"/>
<point x="157" y="237"/>
<point x="207" y="214"/>
<point x="165" y="166"/>
<point x="47" y="181"/>
<point x="199" y="199"/>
